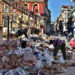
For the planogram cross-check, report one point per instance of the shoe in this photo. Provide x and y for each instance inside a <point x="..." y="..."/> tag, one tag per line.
<point x="56" y="57"/>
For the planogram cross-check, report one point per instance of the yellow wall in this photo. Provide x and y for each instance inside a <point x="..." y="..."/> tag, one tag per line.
<point x="0" y="14"/>
<point x="1" y="38"/>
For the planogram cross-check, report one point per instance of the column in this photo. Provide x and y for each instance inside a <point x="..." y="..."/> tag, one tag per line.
<point x="1" y="32"/>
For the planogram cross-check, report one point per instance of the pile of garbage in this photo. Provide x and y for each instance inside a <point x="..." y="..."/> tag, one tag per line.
<point x="35" y="59"/>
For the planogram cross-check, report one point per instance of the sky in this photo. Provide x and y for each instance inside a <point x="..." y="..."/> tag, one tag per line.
<point x="55" y="7"/>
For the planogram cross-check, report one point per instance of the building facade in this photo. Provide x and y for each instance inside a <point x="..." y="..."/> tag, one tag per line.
<point x="64" y="19"/>
<point x="73" y="21"/>
<point x="65" y="14"/>
<point x="38" y="7"/>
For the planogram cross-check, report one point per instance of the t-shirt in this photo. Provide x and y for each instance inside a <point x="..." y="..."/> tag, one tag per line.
<point x="58" y="42"/>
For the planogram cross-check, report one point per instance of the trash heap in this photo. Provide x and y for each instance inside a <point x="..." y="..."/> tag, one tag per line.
<point x="35" y="59"/>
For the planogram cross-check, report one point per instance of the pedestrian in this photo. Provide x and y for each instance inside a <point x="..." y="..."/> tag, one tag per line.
<point x="25" y="32"/>
<point x="21" y="32"/>
<point x="58" y="44"/>
<point x="24" y="36"/>
<point x="66" y="33"/>
<point x="69" y="36"/>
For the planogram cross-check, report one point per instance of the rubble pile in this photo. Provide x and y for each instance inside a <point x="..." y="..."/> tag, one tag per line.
<point x="36" y="58"/>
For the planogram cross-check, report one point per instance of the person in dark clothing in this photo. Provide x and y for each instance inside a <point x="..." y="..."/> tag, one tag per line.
<point x="20" y="33"/>
<point x="69" y="36"/>
<point x="58" y="44"/>
<point x="66" y="33"/>
<point x="25" y="33"/>
<point x="23" y="44"/>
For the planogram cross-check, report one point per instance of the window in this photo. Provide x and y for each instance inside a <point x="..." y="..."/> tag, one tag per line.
<point x="5" y="23"/>
<point x="35" y="8"/>
<point x="6" y="9"/>
<point x="26" y="6"/>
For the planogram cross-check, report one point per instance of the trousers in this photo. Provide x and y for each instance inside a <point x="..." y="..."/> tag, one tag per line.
<point x="62" y="48"/>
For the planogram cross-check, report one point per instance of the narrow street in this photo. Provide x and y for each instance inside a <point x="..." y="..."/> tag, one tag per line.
<point x="37" y="37"/>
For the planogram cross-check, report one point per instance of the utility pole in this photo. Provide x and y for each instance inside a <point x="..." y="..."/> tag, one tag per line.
<point x="8" y="21"/>
<point x="1" y="33"/>
<point x="8" y="29"/>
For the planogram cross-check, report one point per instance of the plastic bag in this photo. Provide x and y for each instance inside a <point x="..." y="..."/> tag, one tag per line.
<point x="20" y="71"/>
<point x="4" y="59"/>
<point x="1" y="74"/>
<point x="10" y="72"/>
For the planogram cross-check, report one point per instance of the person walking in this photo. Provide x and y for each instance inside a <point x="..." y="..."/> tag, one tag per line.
<point x="58" y="45"/>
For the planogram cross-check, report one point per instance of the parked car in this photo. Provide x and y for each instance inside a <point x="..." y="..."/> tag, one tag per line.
<point x="72" y="43"/>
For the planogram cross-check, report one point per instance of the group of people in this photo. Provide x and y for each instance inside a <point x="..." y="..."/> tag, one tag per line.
<point x="57" y="43"/>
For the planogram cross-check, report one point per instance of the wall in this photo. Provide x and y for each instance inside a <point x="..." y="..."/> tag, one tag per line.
<point x="1" y="38"/>
<point x="41" y="6"/>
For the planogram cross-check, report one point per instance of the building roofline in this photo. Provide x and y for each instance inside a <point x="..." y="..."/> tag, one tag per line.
<point x="33" y="0"/>
<point x="66" y="6"/>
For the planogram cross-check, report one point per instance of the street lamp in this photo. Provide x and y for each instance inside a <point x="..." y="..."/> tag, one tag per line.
<point x="8" y="29"/>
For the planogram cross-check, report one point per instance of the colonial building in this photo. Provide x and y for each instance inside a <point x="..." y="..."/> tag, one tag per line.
<point x="73" y="21"/>
<point x="64" y="18"/>
<point x="38" y="7"/>
<point x="65" y="14"/>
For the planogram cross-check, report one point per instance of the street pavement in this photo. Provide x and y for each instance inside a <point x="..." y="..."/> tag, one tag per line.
<point x="70" y="70"/>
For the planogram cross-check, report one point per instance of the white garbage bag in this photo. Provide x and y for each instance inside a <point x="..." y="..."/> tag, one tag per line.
<point x="38" y="64"/>
<point x="10" y="72"/>
<point x="4" y="59"/>
<point x="51" y="46"/>
<point x="1" y="74"/>
<point x="20" y="71"/>
<point x="49" y="57"/>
